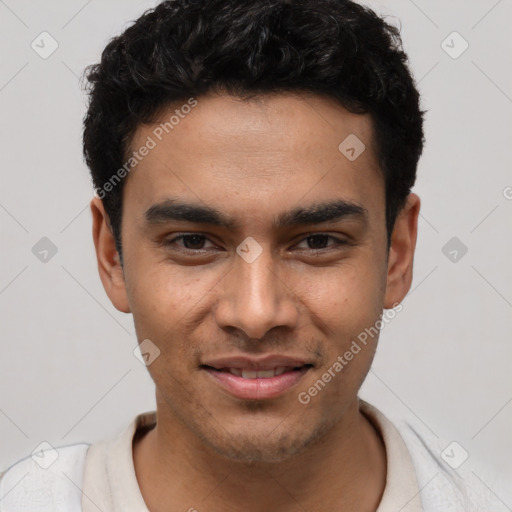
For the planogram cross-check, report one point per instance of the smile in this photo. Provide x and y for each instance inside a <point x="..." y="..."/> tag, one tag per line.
<point x="256" y="380"/>
<point x="261" y="374"/>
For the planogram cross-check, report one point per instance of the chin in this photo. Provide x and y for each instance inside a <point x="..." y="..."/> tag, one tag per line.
<point x="253" y="445"/>
<point x="256" y="450"/>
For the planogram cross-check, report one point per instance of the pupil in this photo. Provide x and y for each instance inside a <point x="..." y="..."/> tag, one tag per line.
<point x="317" y="237"/>
<point x="195" y="238"/>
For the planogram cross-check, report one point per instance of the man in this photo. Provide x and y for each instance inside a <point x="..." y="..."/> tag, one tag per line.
<point x="253" y="163"/>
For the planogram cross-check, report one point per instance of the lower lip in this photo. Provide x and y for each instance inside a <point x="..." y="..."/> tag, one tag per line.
<point x="257" y="389"/>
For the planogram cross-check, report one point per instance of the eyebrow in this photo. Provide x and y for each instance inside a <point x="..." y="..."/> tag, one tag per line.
<point x="317" y="213"/>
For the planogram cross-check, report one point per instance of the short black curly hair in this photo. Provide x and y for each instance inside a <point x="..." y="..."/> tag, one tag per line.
<point x="186" y="48"/>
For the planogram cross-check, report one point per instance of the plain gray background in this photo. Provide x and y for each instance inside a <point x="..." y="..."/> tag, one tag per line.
<point x="68" y="372"/>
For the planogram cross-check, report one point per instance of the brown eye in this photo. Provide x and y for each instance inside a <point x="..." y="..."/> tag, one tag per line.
<point x="319" y="241"/>
<point x="191" y="241"/>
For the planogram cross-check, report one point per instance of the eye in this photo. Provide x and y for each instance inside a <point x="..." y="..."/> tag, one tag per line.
<point x="319" y="241"/>
<point x="195" y="242"/>
<point x="191" y="241"/>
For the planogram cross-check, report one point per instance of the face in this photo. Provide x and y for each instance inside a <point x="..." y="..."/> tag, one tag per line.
<point x="255" y="254"/>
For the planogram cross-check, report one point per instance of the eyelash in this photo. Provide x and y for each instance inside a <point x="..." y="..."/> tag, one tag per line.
<point x="337" y="242"/>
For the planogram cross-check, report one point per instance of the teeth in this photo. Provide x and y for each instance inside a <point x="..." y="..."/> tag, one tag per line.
<point x="265" y="374"/>
<point x="261" y="374"/>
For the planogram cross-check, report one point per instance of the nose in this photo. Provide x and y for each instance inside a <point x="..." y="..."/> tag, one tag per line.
<point x="256" y="297"/>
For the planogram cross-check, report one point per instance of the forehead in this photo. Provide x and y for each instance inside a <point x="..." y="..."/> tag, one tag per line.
<point x="250" y="157"/>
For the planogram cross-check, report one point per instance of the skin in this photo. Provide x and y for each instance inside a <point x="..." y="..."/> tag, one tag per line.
<point x="253" y="160"/>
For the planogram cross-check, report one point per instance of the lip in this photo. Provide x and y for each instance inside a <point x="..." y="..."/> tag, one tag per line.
<point x="256" y="388"/>
<point x="268" y="362"/>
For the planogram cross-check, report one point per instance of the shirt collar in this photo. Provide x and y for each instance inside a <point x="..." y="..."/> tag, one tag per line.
<point x="110" y="482"/>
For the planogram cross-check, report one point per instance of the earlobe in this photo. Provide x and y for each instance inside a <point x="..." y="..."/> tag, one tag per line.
<point x="401" y="252"/>
<point x="109" y="264"/>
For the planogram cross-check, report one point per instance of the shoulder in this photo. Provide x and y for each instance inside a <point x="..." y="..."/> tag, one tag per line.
<point x="448" y="477"/>
<point x="48" y="480"/>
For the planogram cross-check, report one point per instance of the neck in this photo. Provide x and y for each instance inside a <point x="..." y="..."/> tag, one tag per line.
<point x="345" y="470"/>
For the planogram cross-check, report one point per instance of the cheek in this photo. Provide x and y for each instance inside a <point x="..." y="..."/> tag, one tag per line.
<point x="163" y="303"/>
<point x="161" y="296"/>
<point x="345" y="307"/>
<point x="345" y="299"/>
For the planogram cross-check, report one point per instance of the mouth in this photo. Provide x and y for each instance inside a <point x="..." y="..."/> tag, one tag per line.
<point x="247" y="373"/>
<point x="256" y="380"/>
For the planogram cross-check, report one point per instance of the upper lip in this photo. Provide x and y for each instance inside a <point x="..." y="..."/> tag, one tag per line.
<point x="268" y="362"/>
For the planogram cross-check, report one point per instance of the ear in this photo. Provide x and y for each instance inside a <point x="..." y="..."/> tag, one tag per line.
<point x="401" y="252"/>
<point x="109" y="264"/>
